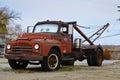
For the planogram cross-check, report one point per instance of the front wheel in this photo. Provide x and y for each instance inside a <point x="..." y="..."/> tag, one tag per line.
<point x="17" y="64"/>
<point x="52" y="62"/>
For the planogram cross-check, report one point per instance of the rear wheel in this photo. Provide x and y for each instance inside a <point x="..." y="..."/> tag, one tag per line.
<point x="95" y="58"/>
<point x="98" y="57"/>
<point x="90" y="59"/>
<point x="52" y="62"/>
<point x="18" y="64"/>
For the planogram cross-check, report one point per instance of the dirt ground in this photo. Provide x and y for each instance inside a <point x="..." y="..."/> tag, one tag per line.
<point x="109" y="71"/>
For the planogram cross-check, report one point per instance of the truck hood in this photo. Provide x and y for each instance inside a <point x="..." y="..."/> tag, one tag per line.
<point x="31" y="36"/>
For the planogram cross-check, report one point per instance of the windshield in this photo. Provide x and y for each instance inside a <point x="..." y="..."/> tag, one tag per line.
<point x="51" y="28"/>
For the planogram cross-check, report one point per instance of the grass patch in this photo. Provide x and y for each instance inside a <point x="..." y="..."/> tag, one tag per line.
<point x="3" y="62"/>
<point x="27" y="70"/>
<point x="67" y="68"/>
<point x="1" y="56"/>
<point x="115" y="56"/>
<point x="115" y="51"/>
<point x="116" y="63"/>
<point x="62" y="69"/>
<point x="77" y="67"/>
<point x="73" y="68"/>
<point x="39" y="69"/>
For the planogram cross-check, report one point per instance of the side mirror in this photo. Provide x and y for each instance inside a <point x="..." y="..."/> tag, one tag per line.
<point x="29" y="29"/>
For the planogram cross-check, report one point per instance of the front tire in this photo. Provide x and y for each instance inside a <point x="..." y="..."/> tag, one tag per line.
<point x="14" y="64"/>
<point x="52" y="62"/>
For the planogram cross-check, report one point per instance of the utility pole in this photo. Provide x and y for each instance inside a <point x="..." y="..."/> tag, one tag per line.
<point x="118" y="11"/>
<point x="118" y="6"/>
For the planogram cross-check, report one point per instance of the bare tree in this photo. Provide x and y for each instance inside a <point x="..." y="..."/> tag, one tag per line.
<point x="6" y="15"/>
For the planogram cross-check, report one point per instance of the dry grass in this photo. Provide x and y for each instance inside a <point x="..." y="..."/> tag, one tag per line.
<point x="112" y="52"/>
<point x="39" y="69"/>
<point x="107" y="54"/>
<point x="115" y="55"/>
<point x="27" y="70"/>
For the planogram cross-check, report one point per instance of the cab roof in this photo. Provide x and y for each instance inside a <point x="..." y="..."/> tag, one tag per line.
<point x="55" y="22"/>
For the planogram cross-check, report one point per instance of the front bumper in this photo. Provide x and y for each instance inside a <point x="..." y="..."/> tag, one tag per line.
<point x="24" y="57"/>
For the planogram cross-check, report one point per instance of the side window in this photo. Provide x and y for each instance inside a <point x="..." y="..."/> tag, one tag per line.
<point x="64" y="30"/>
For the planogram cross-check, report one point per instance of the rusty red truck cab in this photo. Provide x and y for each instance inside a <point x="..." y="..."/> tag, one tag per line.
<point x="51" y="44"/>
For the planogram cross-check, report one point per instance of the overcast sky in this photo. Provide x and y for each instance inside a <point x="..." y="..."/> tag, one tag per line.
<point x="93" y="13"/>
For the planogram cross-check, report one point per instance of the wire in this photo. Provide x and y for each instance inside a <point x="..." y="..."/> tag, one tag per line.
<point x="83" y="27"/>
<point x="93" y="30"/>
<point x="110" y="36"/>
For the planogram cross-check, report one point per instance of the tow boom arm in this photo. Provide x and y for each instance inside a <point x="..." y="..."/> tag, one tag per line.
<point x="99" y="32"/>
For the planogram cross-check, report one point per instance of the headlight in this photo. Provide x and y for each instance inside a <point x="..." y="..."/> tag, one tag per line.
<point x="8" y="46"/>
<point x="36" y="46"/>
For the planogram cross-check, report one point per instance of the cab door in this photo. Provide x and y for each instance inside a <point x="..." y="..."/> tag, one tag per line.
<point x="65" y="40"/>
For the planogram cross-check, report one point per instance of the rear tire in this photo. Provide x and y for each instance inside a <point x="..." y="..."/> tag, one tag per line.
<point x="90" y="59"/>
<point x="17" y="64"/>
<point x="52" y="62"/>
<point x="98" y="57"/>
<point x="95" y="58"/>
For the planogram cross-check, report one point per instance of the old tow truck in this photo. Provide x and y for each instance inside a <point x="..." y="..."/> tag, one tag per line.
<point x="51" y="44"/>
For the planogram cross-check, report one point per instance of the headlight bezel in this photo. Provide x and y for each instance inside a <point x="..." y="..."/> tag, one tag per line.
<point x="36" y="46"/>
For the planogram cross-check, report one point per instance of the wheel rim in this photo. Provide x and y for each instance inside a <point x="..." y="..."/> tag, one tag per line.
<point x="19" y="63"/>
<point x="52" y="61"/>
<point x="100" y="58"/>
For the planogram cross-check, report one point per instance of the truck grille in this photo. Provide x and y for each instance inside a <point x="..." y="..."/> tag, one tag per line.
<point x="21" y="49"/>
